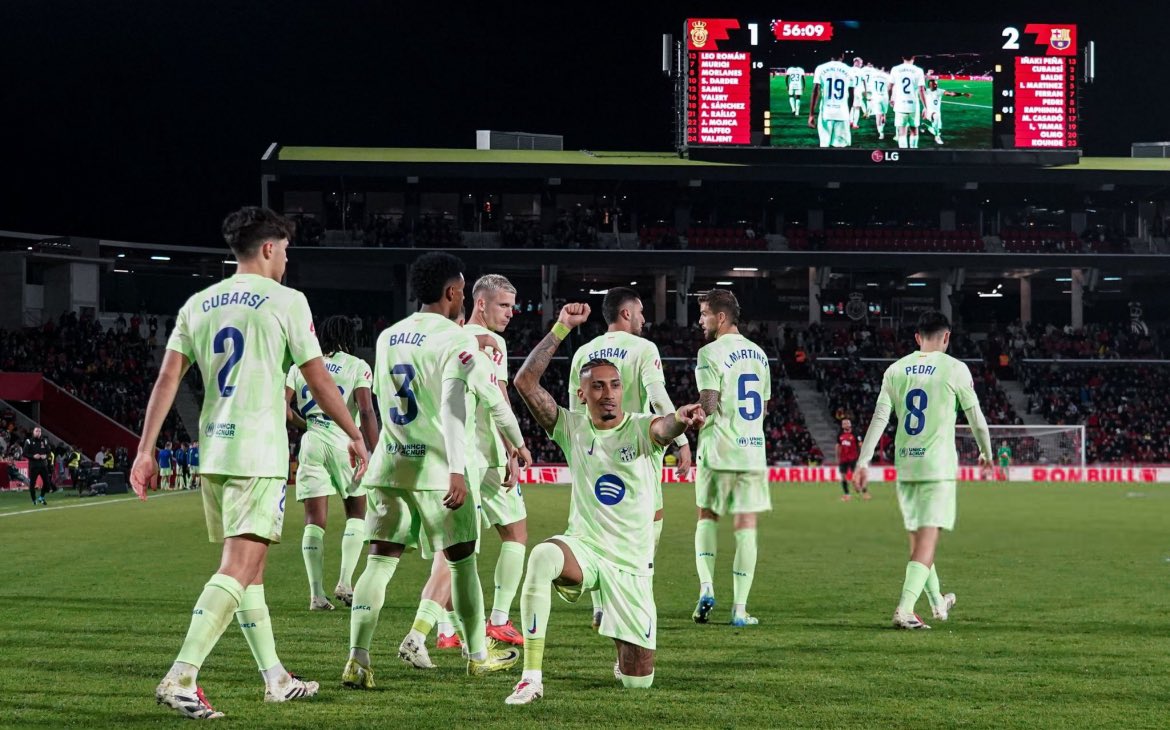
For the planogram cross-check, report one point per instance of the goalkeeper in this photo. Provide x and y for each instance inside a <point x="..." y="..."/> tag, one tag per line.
<point x="924" y="389"/>
<point x="1004" y="457"/>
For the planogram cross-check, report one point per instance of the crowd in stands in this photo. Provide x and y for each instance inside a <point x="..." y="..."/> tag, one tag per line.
<point x="1091" y="342"/>
<point x="521" y="233"/>
<point x="931" y="240"/>
<point x="1125" y="409"/>
<point x="310" y="230"/>
<point x="429" y="231"/>
<point x="577" y="227"/>
<point x="862" y="339"/>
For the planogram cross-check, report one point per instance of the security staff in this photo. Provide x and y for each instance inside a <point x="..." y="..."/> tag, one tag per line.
<point x="36" y="450"/>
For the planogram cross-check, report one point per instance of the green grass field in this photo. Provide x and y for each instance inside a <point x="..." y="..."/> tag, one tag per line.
<point x="1061" y="622"/>
<point x="967" y="122"/>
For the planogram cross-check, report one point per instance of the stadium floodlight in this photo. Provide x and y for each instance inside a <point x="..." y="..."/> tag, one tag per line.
<point x="160" y="258"/>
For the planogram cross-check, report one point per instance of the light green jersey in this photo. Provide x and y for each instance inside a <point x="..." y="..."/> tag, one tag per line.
<point x="924" y="391"/>
<point x="242" y="333"/>
<point x="616" y="474"/>
<point x="488" y="442"/>
<point x="414" y="357"/>
<point x="638" y="365"/>
<point x="732" y="439"/>
<point x="482" y="395"/>
<point x="350" y="374"/>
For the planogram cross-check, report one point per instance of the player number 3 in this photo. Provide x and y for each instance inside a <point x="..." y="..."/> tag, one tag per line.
<point x="401" y="418"/>
<point x="915" y="419"/>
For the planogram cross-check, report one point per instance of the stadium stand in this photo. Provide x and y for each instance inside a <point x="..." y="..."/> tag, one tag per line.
<point x="930" y="240"/>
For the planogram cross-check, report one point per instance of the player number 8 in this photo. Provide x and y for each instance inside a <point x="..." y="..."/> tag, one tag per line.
<point x="915" y="411"/>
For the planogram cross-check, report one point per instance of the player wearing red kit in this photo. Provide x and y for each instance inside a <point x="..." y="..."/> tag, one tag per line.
<point x="848" y="449"/>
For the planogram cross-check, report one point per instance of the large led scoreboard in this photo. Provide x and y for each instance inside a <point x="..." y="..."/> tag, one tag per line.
<point x="750" y="84"/>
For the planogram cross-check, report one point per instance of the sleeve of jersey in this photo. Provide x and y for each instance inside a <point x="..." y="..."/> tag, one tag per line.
<point x="502" y="368"/>
<point x="460" y="359"/>
<point x="453" y="420"/>
<point x="561" y="431"/>
<point x="290" y="379"/>
<point x="651" y="366"/>
<point x="706" y="372"/>
<point x="662" y="404"/>
<point x="365" y="378"/>
<point x="964" y="384"/>
<point x="502" y="415"/>
<point x="298" y="326"/>
<point x="575" y="404"/>
<point x="180" y="340"/>
<point x="884" y="398"/>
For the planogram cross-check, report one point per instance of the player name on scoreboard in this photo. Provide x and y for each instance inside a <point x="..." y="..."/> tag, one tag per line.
<point x="1045" y="107"/>
<point x="719" y="97"/>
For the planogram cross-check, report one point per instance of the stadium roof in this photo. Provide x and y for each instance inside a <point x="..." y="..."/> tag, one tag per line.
<point x="447" y="163"/>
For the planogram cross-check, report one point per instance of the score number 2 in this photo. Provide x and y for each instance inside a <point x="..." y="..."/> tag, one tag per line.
<point x="1013" y="39"/>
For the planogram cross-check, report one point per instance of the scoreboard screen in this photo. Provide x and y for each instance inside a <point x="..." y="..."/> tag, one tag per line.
<point x="879" y="85"/>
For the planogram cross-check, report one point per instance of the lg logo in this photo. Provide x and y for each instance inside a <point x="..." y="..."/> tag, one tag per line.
<point x="884" y="156"/>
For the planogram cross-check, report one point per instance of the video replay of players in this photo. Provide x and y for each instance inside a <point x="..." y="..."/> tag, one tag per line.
<point x="881" y="85"/>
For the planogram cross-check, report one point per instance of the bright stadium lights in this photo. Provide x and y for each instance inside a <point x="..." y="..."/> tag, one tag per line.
<point x="121" y="271"/>
<point x="228" y="261"/>
<point x="1111" y="278"/>
<point x="601" y="292"/>
<point x="871" y="283"/>
<point x="990" y="295"/>
<point x="633" y="283"/>
<point x="745" y="268"/>
<point x="1064" y="278"/>
<point x="917" y="283"/>
<point x="121" y="255"/>
<point x="723" y="283"/>
<point x="160" y="258"/>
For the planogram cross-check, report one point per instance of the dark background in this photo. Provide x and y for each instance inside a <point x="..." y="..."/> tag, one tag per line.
<point x="145" y="120"/>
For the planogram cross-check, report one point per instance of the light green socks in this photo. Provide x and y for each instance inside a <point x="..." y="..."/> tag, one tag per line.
<point x="706" y="534"/>
<point x="933" y="591"/>
<point x="743" y="567"/>
<point x="256" y="624"/>
<point x="427" y="616"/>
<point x="467" y="600"/>
<point x="916" y="577"/>
<point x="544" y="566"/>
<point x="509" y="571"/>
<point x="313" y="551"/>
<point x="638" y="682"/>
<point x="351" y="549"/>
<point x="213" y="612"/>
<point x="368" y="596"/>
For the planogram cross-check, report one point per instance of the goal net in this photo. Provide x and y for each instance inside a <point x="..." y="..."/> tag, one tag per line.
<point x="1030" y="445"/>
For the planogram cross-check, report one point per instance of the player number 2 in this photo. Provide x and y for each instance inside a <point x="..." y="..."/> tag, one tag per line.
<point x="311" y="403"/>
<point x="754" y="405"/>
<point x="407" y="374"/>
<point x="915" y="419"/>
<point x="219" y="346"/>
<point x="906" y="82"/>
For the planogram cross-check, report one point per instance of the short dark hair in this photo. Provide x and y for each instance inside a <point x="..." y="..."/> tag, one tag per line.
<point x="721" y="300"/>
<point x="431" y="273"/>
<point x="337" y="335"/>
<point x="247" y="228"/>
<point x="615" y="298"/>
<point x="931" y="322"/>
<point x="596" y="363"/>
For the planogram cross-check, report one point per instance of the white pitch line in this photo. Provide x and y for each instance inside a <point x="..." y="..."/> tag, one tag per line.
<point x="92" y="504"/>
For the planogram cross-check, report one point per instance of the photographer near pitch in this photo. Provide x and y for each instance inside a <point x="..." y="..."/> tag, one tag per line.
<point x="36" y="450"/>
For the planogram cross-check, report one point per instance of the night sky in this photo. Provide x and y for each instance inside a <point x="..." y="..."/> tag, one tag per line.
<point x="146" y="120"/>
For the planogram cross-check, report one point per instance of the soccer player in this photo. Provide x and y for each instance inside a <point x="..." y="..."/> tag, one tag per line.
<point x="829" y="112"/>
<point x="193" y="457"/>
<point x="860" y="74"/>
<point x="166" y="466"/>
<point x="907" y="94"/>
<point x="933" y="96"/>
<point x="879" y="97"/>
<point x="615" y="458"/>
<point x="923" y="390"/>
<point x="735" y="385"/>
<point x="795" y="76"/>
<point x="182" y="457"/>
<point x="323" y="465"/>
<point x="847" y="452"/>
<point x="240" y="332"/>
<point x="417" y="486"/>
<point x="644" y="385"/>
<point x="486" y="400"/>
<point x="1004" y="456"/>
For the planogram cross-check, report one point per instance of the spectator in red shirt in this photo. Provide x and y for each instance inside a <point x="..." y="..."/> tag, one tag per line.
<point x="848" y="449"/>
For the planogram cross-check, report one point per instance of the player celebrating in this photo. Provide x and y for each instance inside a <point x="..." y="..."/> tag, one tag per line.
<point x="644" y="386"/>
<point x="925" y="387"/>
<point x="860" y="85"/>
<point x="615" y="458"/>
<point x="847" y="451"/>
<point x="933" y="96"/>
<point x="735" y="385"/>
<point x="795" y="76"/>
<point x="879" y="97"/>
<point x="907" y="87"/>
<point x="322" y="469"/>
<point x="417" y="485"/>
<point x="1004" y="456"/>
<point x="240" y="332"/>
<point x="829" y="113"/>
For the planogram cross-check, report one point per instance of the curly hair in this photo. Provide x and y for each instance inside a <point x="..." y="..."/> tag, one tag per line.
<point x="247" y="228"/>
<point x="431" y="273"/>
<point x="337" y="335"/>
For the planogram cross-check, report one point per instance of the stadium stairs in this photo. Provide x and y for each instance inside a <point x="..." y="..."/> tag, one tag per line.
<point x="815" y="408"/>
<point x="1019" y="400"/>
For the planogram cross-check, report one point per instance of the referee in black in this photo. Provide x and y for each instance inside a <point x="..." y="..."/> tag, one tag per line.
<point x="36" y="450"/>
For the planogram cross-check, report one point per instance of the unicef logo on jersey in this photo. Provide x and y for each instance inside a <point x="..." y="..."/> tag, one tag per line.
<point x="609" y="489"/>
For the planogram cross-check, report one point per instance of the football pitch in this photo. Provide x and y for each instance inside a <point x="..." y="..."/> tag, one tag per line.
<point x="967" y="121"/>
<point x="1061" y="621"/>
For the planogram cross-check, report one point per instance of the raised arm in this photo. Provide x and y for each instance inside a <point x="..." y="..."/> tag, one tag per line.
<point x="669" y="427"/>
<point x="539" y="401"/>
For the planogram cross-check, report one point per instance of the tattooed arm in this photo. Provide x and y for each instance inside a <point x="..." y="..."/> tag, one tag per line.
<point x="539" y="401"/>
<point x="709" y="400"/>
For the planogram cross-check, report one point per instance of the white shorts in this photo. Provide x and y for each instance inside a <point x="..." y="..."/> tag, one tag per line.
<point x="834" y="133"/>
<point x="323" y="470"/>
<point x="630" y="614"/>
<point x="499" y="506"/>
<point x="908" y="119"/>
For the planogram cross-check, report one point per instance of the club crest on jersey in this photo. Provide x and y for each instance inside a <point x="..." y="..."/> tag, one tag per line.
<point x="627" y="454"/>
<point x="609" y="489"/>
<point x="1061" y="38"/>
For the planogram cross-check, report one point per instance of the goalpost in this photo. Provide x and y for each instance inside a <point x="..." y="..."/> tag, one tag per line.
<point x="1031" y="445"/>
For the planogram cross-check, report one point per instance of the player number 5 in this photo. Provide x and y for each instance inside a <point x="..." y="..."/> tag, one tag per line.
<point x="749" y="398"/>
